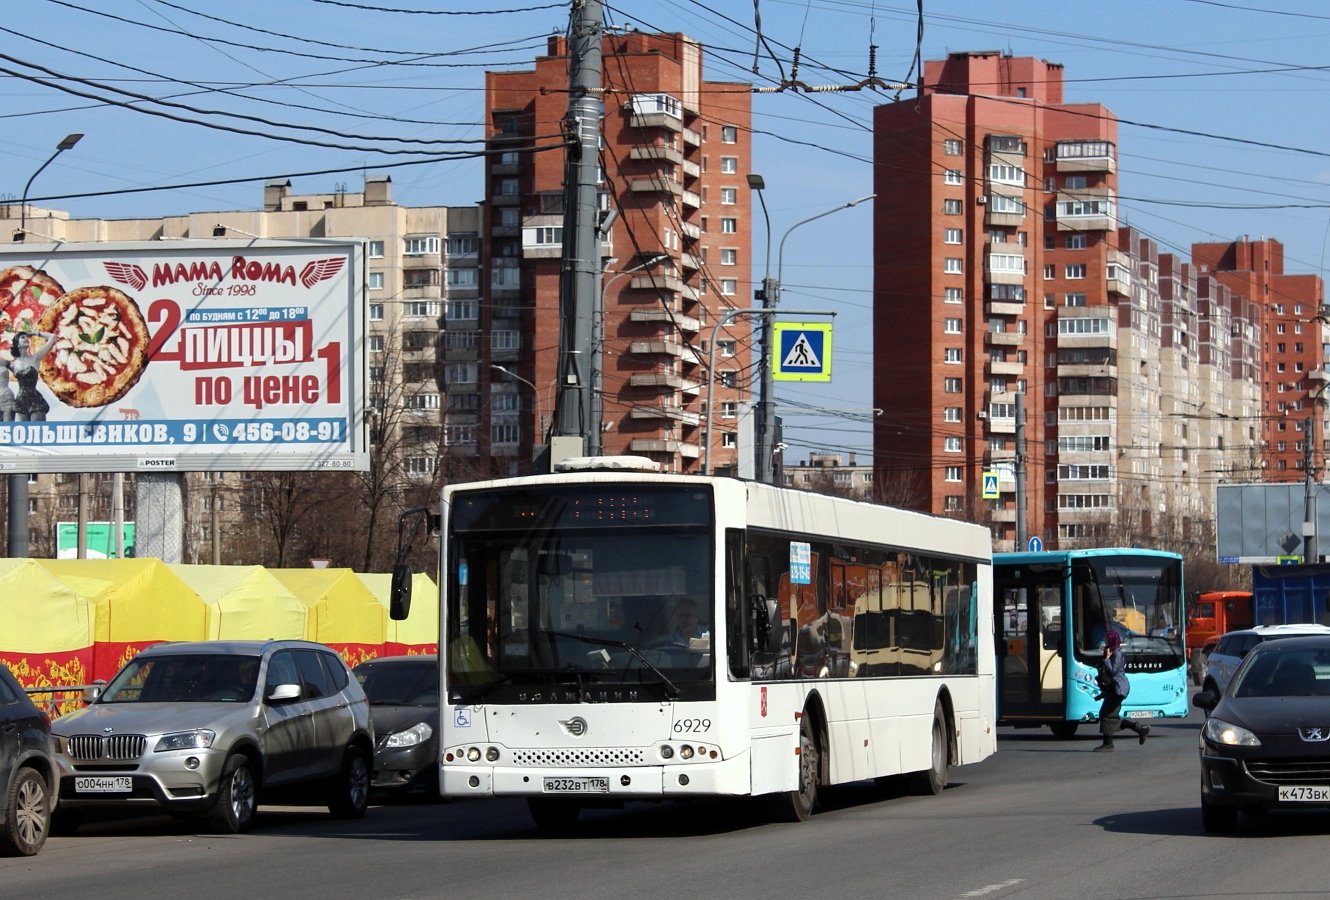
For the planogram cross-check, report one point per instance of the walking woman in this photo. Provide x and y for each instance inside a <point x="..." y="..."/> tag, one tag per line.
<point x="1114" y="688"/>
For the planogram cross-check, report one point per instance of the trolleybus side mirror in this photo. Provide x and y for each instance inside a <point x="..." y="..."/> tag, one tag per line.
<point x="399" y="598"/>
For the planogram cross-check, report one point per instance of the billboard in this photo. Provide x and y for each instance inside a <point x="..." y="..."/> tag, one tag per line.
<point x="182" y="356"/>
<point x="1263" y="523"/>
<point x="101" y="540"/>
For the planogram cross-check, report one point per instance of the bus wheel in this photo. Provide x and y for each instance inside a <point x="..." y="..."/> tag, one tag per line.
<point x="797" y="806"/>
<point x="933" y="779"/>
<point x="553" y="813"/>
<point x="1064" y="730"/>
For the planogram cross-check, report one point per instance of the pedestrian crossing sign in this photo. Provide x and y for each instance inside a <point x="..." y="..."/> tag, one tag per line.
<point x="990" y="486"/>
<point x="801" y="351"/>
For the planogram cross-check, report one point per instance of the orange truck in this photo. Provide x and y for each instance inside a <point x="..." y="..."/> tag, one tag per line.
<point x="1215" y="613"/>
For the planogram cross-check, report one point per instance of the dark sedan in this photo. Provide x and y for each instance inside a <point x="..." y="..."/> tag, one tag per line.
<point x="403" y="696"/>
<point x="1266" y="744"/>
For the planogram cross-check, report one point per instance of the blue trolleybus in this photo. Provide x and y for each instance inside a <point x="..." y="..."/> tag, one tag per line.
<point x="1053" y="610"/>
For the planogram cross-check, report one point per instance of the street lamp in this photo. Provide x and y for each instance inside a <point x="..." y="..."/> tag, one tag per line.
<point x="766" y="420"/>
<point x="597" y="359"/>
<point x="535" y="394"/>
<point x="18" y="484"/>
<point x="69" y="141"/>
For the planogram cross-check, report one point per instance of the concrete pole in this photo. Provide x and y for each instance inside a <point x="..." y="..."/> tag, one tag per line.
<point x="1020" y="474"/>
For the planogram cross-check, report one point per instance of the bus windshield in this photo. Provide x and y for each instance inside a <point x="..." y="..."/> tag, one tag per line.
<point x="581" y="590"/>
<point x="1139" y="597"/>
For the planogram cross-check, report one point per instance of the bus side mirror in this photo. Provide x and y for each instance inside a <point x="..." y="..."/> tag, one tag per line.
<point x="399" y="597"/>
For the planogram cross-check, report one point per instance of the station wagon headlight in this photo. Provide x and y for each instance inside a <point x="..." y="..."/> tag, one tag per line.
<point x="1220" y="732"/>
<point x="199" y="739"/>
<point x="417" y="734"/>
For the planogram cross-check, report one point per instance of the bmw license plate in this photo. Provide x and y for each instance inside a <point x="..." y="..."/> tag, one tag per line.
<point x="1304" y="793"/>
<point x="106" y="784"/>
<point x="577" y="785"/>
<point x="1141" y="714"/>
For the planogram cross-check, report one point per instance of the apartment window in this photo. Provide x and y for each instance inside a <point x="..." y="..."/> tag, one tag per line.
<point x="1050" y="271"/>
<point x="506" y="277"/>
<point x="1075" y="300"/>
<point x="729" y="409"/>
<point x="459" y="434"/>
<point x="952" y="265"/>
<point x="1050" y="242"/>
<point x="376" y="249"/>
<point x="462" y="309"/>
<point x="506" y="339"/>
<point x="729" y="256"/>
<point x="1006" y="262"/>
<point x="421" y="244"/>
<point x="952" y="473"/>
<point x="951" y="445"/>
<point x="1075" y="242"/>
<point x="727" y="379"/>
<point x="420" y="466"/>
<point x="952" y="147"/>
<point x="508" y="216"/>
<point x="376" y="374"/>
<point x="421" y="308"/>
<point x="546" y="236"/>
<point x="375" y="343"/>
<point x="951" y="385"/>
<point x="1009" y="206"/>
<point x="417" y="278"/>
<point x="463" y="277"/>
<point x="952" y="236"/>
<point x="729" y="165"/>
<point x="728" y="439"/>
<point x="952" y="207"/>
<point x="376" y="281"/>
<point x="953" y="295"/>
<point x="729" y="196"/>
<point x="376" y="312"/>
<point x="951" y="414"/>
<point x="1005" y="174"/>
<point x="729" y="225"/>
<point x="729" y="134"/>
<point x="1076" y="270"/>
<point x="508" y="187"/>
<point x="729" y="286"/>
<point x="1075" y="182"/>
<point x="725" y="348"/>
<point x="421" y="401"/>
<point x="951" y="355"/>
<point x="463" y="242"/>
<point x="505" y="433"/>
<point x="951" y="326"/>
<point x="953" y="176"/>
<point x="951" y="503"/>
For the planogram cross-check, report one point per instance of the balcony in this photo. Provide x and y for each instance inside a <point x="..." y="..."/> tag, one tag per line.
<point x="688" y="324"/>
<point x="1092" y="209"/>
<point x="1006" y="308"/>
<point x="690" y="231"/>
<point x="1003" y="514"/>
<point x="657" y="348"/>
<point x="691" y="200"/>
<point x="1003" y="338"/>
<point x="662" y="152"/>
<point x="682" y="448"/>
<point x="1005" y="368"/>
<point x="664" y="380"/>
<point x="671" y="413"/>
<point x="655" y="184"/>
<point x="1086" y="156"/>
<point x="658" y="119"/>
<point x="691" y="138"/>
<point x="1004" y="264"/>
<point x="656" y="282"/>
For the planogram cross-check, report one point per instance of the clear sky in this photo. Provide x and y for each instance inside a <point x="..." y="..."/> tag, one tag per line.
<point x="1223" y="131"/>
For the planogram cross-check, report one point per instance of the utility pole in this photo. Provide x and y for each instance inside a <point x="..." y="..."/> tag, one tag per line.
<point x="1309" y="548"/>
<point x="1020" y="473"/>
<point x="580" y="276"/>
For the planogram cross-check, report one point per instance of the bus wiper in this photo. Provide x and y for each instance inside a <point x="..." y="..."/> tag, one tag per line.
<point x="480" y="690"/>
<point x="671" y="690"/>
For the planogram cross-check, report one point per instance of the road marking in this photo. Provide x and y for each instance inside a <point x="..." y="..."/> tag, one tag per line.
<point x="992" y="887"/>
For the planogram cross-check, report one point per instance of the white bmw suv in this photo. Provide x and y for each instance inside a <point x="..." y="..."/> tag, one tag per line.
<point x="209" y="728"/>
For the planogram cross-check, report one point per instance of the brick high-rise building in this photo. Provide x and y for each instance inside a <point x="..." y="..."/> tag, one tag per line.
<point x="676" y="151"/>
<point x="1003" y="280"/>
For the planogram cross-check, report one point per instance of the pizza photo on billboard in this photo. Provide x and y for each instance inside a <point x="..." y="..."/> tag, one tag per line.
<point x="100" y="347"/>
<point x="26" y="294"/>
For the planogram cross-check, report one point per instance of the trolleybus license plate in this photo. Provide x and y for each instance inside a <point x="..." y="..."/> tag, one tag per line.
<point x="1307" y="793"/>
<point x="577" y="785"/>
<point x="111" y="784"/>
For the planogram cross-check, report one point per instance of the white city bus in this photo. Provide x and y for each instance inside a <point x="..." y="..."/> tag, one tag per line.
<point x="839" y="641"/>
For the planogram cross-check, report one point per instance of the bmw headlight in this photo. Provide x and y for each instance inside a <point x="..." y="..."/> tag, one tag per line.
<point x="199" y="739"/>
<point x="1218" y="731"/>
<point x="417" y="734"/>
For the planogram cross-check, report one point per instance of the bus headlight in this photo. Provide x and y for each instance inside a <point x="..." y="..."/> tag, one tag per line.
<point x="473" y="754"/>
<point x="666" y="752"/>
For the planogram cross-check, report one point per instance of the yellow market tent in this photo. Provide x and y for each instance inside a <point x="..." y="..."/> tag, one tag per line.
<point x="343" y="613"/>
<point x="46" y="627"/>
<point x="418" y="632"/>
<point x="244" y="603"/>
<point x="139" y="602"/>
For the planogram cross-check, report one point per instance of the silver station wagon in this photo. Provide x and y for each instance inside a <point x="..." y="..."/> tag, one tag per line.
<point x="210" y="728"/>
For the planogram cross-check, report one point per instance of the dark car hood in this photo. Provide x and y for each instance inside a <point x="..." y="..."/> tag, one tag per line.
<point x="1275" y="715"/>
<point x="390" y="719"/>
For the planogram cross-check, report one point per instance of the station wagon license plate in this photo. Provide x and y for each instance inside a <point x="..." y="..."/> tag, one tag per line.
<point x="106" y="784"/>
<point x="577" y="785"/>
<point x="1304" y="793"/>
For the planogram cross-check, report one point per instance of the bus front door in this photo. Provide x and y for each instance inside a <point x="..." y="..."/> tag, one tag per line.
<point x="1031" y="656"/>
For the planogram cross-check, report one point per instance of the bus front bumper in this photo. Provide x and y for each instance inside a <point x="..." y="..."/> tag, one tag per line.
<point x="726" y="777"/>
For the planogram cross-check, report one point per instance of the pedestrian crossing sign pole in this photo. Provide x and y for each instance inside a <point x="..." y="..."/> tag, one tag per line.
<point x="802" y="351"/>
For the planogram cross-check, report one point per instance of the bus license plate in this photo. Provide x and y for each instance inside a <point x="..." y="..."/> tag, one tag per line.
<point x="577" y="785"/>
<point x="114" y="784"/>
<point x="1304" y="793"/>
<point x="1141" y="714"/>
